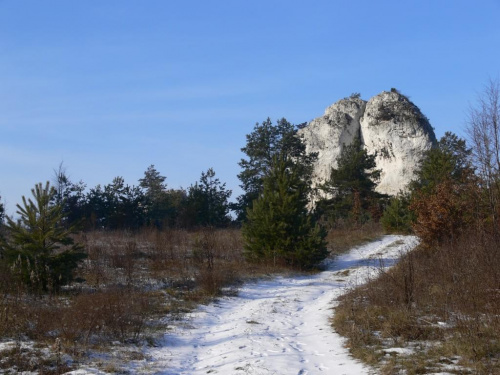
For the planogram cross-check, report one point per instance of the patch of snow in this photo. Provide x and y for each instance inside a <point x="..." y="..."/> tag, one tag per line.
<point x="7" y="345"/>
<point x="401" y="351"/>
<point x="86" y="371"/>
<point x="279" y="326"/>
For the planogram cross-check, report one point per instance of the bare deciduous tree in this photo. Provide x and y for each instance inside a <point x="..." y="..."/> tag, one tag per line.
<point x="483" y="129"/>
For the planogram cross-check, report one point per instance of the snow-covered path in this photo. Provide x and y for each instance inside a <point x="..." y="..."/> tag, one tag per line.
<point x="279" y="326"/>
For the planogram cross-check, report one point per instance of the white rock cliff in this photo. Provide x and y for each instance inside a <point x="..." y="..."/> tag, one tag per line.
<point x="389" y="126"/>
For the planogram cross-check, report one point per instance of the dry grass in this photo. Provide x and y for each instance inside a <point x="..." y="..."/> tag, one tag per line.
<point x="131" y="280"/>
<point x="342" y="239"/>
<point x="444" y="302"/>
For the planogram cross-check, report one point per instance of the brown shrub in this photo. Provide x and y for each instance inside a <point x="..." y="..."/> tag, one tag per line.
<point x="448" y="211"/>
<point x="103" y="316"/>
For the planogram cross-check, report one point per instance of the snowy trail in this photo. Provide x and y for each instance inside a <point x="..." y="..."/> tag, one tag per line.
<point x="278" y="326"/>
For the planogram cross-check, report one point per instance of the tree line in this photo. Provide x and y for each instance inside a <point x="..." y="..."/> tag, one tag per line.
<point x="151" y="203"/>
<point x="455" y="187"/>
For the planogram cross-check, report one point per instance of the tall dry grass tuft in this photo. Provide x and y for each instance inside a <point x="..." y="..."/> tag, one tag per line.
<point x="216" y="260"/>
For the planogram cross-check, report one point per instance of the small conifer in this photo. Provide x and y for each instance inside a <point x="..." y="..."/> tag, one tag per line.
<point x="279" y="227"/>
<point x="38" y="247"/>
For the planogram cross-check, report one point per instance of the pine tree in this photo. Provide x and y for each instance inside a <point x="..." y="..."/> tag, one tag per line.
<point x="351" y="187"/>
<point x="450" y="160"/>
<point x="264" y="143"/>
<point x="397" y="216"/>
<point x="279" y="227"/>
<point x="39" y="249"/>
<point x="207" y="202"/>
<point x="2" y="212"/>
<point x="70" y="195"/>
<point x="162" y="207"/>
<point x="115" y="206"/>
<point x="153" y="182"/>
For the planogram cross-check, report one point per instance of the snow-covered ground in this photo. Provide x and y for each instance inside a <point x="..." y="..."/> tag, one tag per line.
<point x="279" y="326"/>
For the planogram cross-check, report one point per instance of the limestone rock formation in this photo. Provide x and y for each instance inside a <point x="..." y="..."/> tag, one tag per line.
<point x="389" y="125"/>
<point x="328" y="134"/>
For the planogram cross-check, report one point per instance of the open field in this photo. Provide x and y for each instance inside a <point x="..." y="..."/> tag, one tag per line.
<point x="134" y="284"/>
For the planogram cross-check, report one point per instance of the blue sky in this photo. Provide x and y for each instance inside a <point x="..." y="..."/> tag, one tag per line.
<point x="110" y="87"/>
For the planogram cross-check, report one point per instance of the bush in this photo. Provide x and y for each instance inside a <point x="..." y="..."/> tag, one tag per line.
<point x="449" y="210"/>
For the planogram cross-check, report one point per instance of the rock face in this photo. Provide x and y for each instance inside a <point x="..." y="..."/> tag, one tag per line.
<point x="389" y="125"/>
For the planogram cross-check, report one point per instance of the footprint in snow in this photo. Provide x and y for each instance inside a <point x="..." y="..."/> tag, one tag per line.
<point x="296" y="348"/>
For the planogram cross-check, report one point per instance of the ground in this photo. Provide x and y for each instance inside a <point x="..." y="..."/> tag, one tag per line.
<point x="275" y="326"/>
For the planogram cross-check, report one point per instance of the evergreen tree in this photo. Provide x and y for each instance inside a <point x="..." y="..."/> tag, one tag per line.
<point x="114" y="194"/>
<point x="351" y="186"/>
<point x="2" y="212"/>
<point x="397" y="216"/>
<point x="115" y="206"/>
<point x="265" y="142"/>
<point x="207" y="202"/>
<point x="74" y="204"/>
<point x="71" y="196"/>
<point x="450" y="160"/>
<point x="37" y="247"/>
<point x="157" y="203"/>
<point x="61" y="182"/>
<point x="152" y="182"/>
<point x="176" y="214"/>
<point x="95" y="208"/>
<point x="278" y="226"/>
<point x="124" y="205"/>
